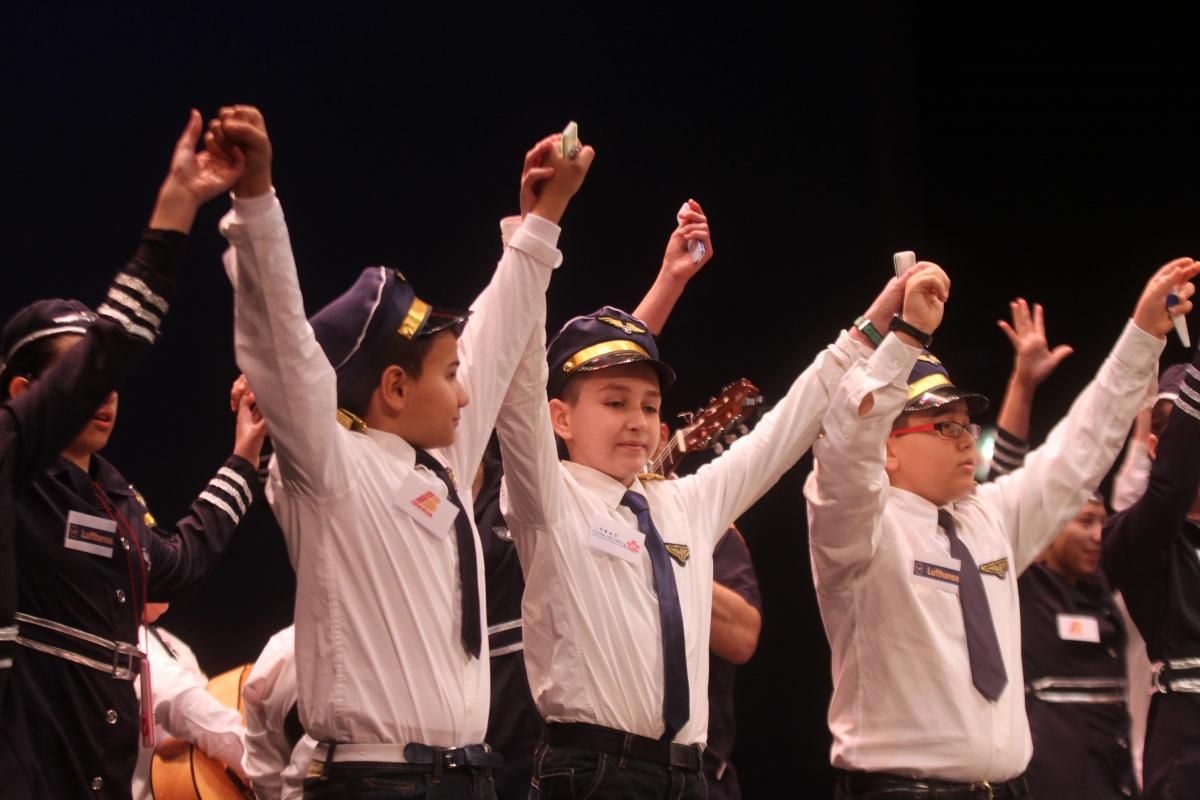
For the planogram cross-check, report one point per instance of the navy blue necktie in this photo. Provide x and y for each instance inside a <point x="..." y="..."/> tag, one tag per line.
<point x="983" y="648"/>
<point x="676" y="696"/>
<point x="468" y="571"/>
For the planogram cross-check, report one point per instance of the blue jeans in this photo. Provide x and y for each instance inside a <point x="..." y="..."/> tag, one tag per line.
<point x="570" y="773"/>
<point x="368" y="781"/>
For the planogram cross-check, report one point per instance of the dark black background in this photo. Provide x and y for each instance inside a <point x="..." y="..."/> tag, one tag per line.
<point x="1051" y="158"/>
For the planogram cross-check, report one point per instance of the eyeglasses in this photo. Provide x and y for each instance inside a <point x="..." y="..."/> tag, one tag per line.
<point x="945" y="429"/>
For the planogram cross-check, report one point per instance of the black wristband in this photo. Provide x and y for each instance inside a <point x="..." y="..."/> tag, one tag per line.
<point x="898" y="324"/>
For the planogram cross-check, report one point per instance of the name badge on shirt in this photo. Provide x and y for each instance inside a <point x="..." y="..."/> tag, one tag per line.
<point x="420" y="500"/>
<point x="1078" y="628"/>
<point x="616" y="539"/>
<point x="89" y="534"/>
<point x="940" y="574"/>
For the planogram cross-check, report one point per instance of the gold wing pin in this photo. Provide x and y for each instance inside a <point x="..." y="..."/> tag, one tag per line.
<point x="679" y="552"/>
<point x="999" y="568"/>
<point x="628" y="327"/>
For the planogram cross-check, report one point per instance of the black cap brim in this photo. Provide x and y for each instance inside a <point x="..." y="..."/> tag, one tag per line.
<point x="440" y="319"/>
<point x="944" y="395"/>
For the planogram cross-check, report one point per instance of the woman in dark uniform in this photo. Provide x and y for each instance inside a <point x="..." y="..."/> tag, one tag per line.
<point x="89" y="552"/>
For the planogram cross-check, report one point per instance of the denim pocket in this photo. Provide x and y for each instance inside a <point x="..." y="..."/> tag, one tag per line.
<point x="567" y="773"/>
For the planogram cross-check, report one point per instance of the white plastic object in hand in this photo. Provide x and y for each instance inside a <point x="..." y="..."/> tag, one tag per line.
<point x="1181" y="329"/>
<point x="570" y="139"/>
<point x="903" y="260"/>
<point x="695" y="246"/>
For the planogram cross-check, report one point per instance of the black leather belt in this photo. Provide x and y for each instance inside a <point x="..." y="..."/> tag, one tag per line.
<point x="411" y="757"/>
<point x="881" y="785"/>
<point x="622" y="745"/>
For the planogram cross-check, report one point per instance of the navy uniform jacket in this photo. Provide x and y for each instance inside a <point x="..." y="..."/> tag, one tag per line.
<point x="514" y="724"/>
<point x="1152" y="554"/>
<point x="84" y="723"/>
<point x="1080" y="749"/>
<point x="733" y="569"/>
<point x="34" y="429"/>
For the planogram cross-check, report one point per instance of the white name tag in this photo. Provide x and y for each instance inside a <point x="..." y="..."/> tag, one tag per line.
<point x="419" y="499"/>
<point x="617" y="539"/>
<point x="1078" y="628"/>
<point x="89" y="534"/>
<point x="938" y="572"/>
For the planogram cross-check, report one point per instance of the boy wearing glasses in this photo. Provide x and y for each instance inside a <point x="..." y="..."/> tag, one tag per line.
<point x="915" y="565"/>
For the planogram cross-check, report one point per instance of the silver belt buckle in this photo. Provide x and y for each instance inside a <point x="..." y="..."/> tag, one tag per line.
<point x="1156" y="678"/>
<point x="130" y="653"/>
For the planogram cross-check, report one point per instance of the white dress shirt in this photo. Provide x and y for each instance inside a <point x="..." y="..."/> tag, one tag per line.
<point x="183" y="707"/>
<point x="275" y="769"/>
<point x="378" y="610"/>
<point x="593" y="639"/>
<point x="903" y="701"/>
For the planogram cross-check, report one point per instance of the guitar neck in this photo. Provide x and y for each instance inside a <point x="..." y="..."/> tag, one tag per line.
<point x="672" y="456"/>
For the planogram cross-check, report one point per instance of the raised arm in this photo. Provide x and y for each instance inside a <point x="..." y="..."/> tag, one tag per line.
<point x="506" y="312"/>
<point x="1138" y="541"/>
<point x="182" y="556"/>
<point x="677" y="268"/>
<point x="726" y="487"/>
<point x="1058" y="477"/>
<point x="294" y="383"/>
<point x="47" y="413"/>
<point x="847" y="489"/>
<point x="1033" y="362"/>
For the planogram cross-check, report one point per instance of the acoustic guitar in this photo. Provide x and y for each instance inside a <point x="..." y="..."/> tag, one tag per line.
<point x="182" y="771"/>
<point x="713" y="427"/>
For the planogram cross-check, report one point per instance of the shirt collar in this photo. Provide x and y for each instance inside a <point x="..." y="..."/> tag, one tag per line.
<point x="604" y="486"/>
<point x="916" y="506"/>
<point x="102" y="472"/>
<point x="394" y="446"/>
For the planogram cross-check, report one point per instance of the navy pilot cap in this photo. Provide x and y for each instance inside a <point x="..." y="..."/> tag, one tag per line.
<point x="604" y="338"/>
<point x="929" y="386"/>
<point x="359" y="325"/>
<point x="42" y="319"/>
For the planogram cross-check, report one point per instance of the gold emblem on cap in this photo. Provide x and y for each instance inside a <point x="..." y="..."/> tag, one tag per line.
<point x="418" y="312"/>
<point x="930" y="357"/>
<point x="923" y="385"/>
<point x="999" y="568"/>
<point x="604" y="348"/>
<point x="628" y="327"/>
<point x="679" y="552"/>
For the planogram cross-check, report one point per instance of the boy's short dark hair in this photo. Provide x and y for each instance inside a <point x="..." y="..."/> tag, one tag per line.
<point x="407" y="354"/>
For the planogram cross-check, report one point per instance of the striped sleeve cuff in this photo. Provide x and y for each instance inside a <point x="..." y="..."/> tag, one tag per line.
<point x="1188" y="400"/>
<point x="230" y="490"/>
<point x="133" y="305"/>
<point x="1008" y="452"/>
